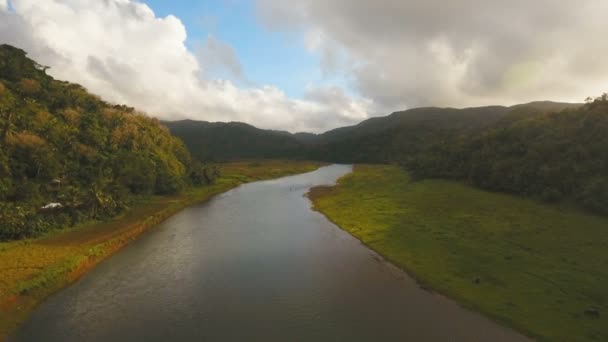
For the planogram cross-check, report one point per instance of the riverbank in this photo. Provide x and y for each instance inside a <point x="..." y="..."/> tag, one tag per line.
<point x="535" y="267"/>
<point x="31" y="270"/>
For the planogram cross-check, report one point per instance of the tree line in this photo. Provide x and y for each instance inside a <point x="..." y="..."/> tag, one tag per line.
<point x="555" y="156"/>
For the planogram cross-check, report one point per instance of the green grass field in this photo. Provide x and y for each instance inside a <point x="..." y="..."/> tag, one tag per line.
<point x="539" y="268"/>
<point x="31" y="270"/>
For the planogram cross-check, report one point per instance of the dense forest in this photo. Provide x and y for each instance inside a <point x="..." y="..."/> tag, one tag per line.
<point x="67" y="156"/>
<point x="556" y="156"/>
<point x="377" y="140"/>
<point x="371" y="141"/>
<point x="386" y="139"/>
<point x="234" y="140"/>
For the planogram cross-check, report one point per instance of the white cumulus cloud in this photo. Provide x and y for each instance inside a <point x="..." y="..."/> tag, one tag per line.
<point x="122" y="51"/>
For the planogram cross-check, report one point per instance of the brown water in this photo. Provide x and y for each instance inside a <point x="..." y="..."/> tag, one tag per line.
<point x="253" y="264"/>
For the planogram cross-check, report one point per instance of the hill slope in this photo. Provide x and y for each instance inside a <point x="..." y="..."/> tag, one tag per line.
<point x="59" y="144"/>
<point x="380" y="139"/>
<point x="554" y="156"/>
<point x="233" y="140"/>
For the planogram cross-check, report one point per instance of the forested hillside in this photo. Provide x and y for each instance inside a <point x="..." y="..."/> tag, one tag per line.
<point x="556" y="156"/>
<point x="67" y="156"/>
<point x="234" y="140"/>
<point x="386" y="139"/>
<point x="377" y="140"/>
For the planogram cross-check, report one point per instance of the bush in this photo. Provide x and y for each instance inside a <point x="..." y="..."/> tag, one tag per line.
<point x="551" y="195"/>
<point x="594" y="195"/>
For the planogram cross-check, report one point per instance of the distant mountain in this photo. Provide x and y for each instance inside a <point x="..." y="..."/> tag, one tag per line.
<point x="392" y="138"/>
<point x="385" y="139"/>
<point x="233" y="140"/>
<point x="380" y="139"/>
<point x="547" y="106"/>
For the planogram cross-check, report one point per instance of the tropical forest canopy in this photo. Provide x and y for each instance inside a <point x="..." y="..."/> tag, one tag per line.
<point x="77" y="156"/>
<point x="554" y="156"/>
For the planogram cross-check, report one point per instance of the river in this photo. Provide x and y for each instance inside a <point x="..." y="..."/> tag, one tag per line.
<point x="253" y="264"/>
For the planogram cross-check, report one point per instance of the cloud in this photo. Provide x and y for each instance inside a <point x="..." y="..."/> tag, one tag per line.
<point x="404" y="53"/>
<point x="336" y="108"/>
<point x="218" y="57"/>
<point x="393" y="54"/>
<point x="122" y="51"/>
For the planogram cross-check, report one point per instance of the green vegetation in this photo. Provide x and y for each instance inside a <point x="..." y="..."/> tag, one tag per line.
<point x="374" y="140"/>
<point x="540" y="268"/>
<point x="558" y="156"/>
<point x="32" y="269"/>
<point x="545" y="150"/>
<point x="388" y="139"/>
<point x="220" y="141"/>
<point x="59" y="144"/>
<point x="378" y="140"/>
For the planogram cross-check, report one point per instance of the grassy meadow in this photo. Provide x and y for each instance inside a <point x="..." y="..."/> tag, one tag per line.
<point x="539" y="268"/>
<point x="30" y="270"/>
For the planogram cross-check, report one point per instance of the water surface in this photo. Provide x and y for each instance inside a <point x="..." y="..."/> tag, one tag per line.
<point x="253" y="264"/>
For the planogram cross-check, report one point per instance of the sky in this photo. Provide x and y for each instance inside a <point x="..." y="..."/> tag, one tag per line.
<point x="314" y="65"/>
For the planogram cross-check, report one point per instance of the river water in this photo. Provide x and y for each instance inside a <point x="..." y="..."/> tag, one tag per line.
<point x="253" y="264"/>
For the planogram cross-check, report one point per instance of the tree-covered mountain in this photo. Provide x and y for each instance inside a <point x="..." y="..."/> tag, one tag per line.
<point x="556" y="156"/>
<point x="393" y="138"/>
<point x="234" y="140"/>
<point x="377" y="140"/>
<point x="386" y="139"/>
<point x="68" y="156"/>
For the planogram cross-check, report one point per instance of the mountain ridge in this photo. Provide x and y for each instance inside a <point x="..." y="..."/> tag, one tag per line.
<point x="237" y="140"/>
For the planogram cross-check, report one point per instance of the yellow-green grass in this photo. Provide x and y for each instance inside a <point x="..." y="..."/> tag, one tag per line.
<point x="532" y="266"/>
<point x="31" y="270"/>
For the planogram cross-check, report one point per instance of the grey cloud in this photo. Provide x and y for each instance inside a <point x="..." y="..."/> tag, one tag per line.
<point x="468" y="52"/>
<point x="340" y="109"/>
<point x="217" y="56"/>
<point x="15" y="31"/>
<point x="331" y="60"/>
<point x="118" y="75"/>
